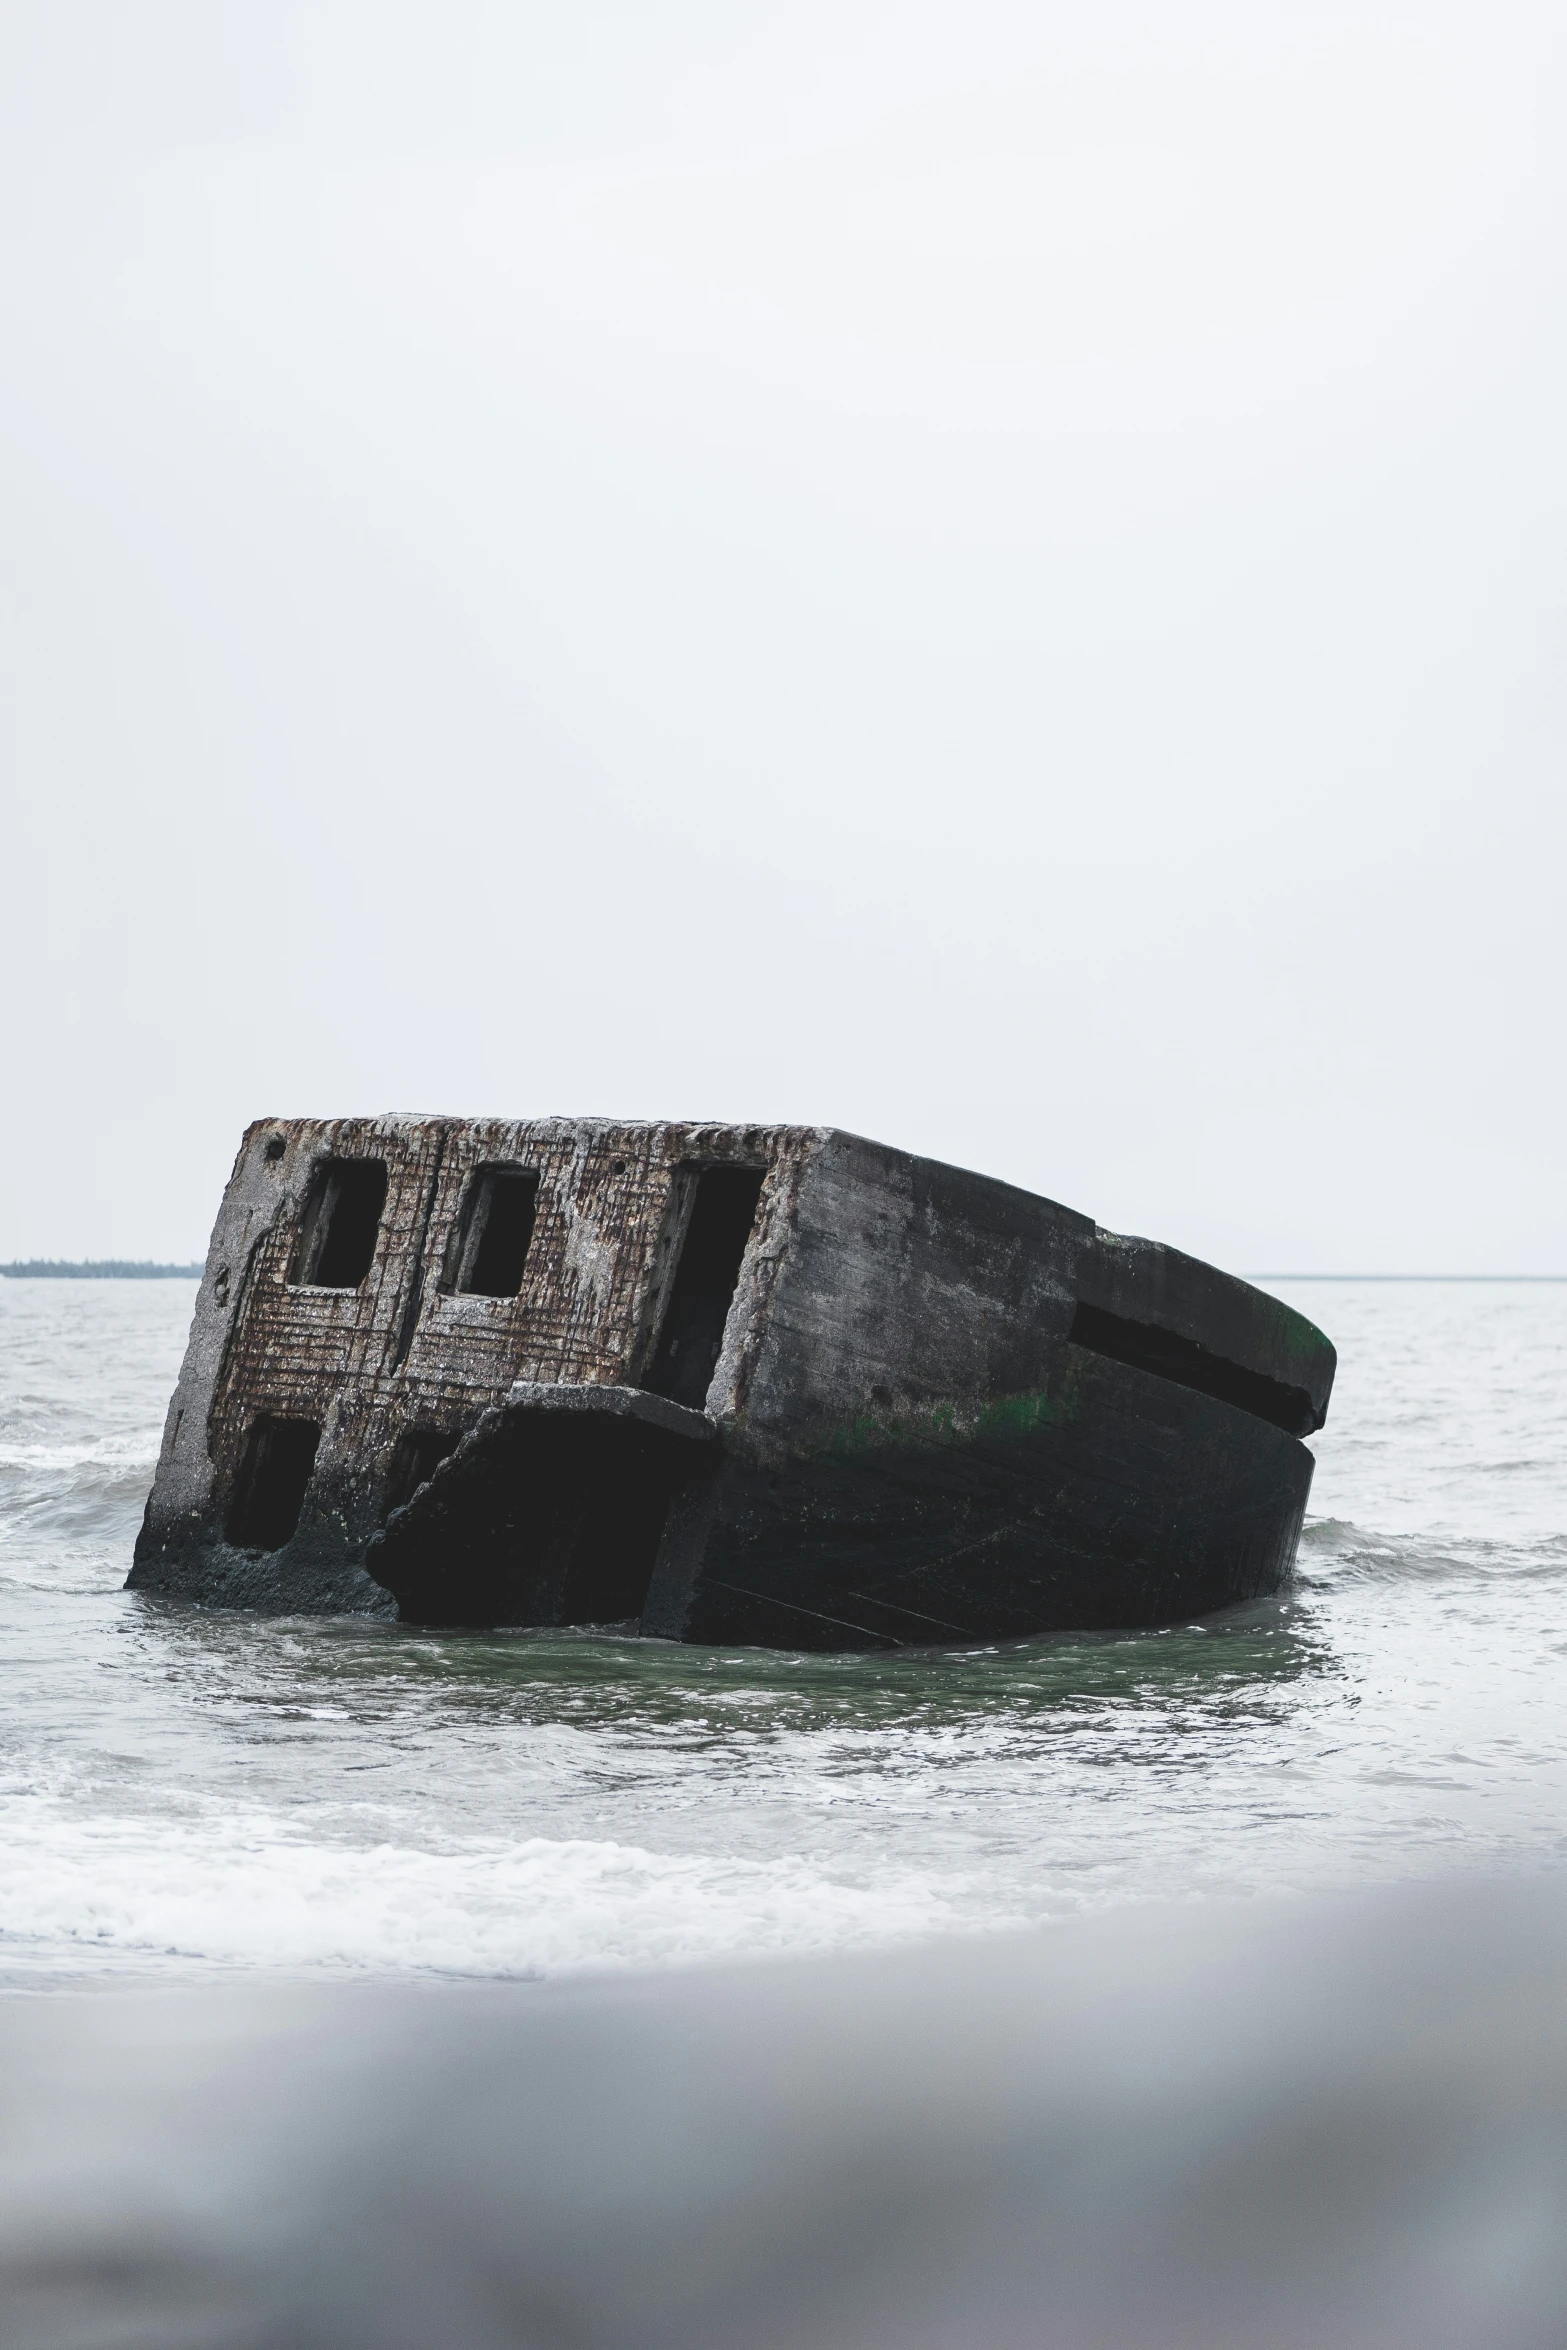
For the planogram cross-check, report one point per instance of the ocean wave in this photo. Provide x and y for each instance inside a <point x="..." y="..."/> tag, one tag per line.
<point x="1335" y="1551"/>
<point x="254" y="1897"/>
<point x="132" y="1449"/>
<point x="76" y="1515"/>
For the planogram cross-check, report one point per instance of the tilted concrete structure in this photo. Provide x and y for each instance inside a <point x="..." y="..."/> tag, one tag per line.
<point x="764" y="1384"/>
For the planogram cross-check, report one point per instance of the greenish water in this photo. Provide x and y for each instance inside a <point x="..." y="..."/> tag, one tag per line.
<point x="184" y="1792"/>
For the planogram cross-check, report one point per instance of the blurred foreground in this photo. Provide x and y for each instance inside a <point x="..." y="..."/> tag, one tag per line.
<point x="1220" y="2127"/>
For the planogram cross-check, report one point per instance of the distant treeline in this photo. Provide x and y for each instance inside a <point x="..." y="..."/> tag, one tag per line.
<point x="98" y="1269"/>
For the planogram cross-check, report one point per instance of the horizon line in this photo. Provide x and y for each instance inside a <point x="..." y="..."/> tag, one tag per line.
<point x="101" y="1268"/>
<point x="111" y="1268"/>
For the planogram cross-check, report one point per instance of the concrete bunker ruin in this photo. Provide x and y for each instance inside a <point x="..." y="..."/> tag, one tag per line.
<point x="720" y="1383"/>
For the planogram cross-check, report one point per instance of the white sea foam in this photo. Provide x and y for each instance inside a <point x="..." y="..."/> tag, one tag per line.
<point x="239" y="1893"/>
<point x="135" y="1449"/>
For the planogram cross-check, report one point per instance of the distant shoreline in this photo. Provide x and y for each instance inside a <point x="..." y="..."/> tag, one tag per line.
<point x="97" y="1269"/>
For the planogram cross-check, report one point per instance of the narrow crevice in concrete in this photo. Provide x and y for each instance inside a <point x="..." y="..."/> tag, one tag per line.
<point x="1169" y="1356"/>
<point x="414" y="1301"/>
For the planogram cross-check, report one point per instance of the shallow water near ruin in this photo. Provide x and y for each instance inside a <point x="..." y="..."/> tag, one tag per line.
<point x="183" y="1794"/>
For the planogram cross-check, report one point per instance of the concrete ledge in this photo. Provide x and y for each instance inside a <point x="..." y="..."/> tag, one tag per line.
<point x="619" y="1403"/>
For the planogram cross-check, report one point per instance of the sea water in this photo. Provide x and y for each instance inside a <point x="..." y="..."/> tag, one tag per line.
<point x="186" y="1793"/>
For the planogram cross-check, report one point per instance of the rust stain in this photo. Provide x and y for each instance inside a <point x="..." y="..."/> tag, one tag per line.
<point x="403" y="1349"/>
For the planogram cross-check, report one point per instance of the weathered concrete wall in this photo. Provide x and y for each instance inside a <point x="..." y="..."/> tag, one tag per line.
<point x="947" y="1408"/>
<point x="402" y="1351"/>
<point x="909" y="1285"/>
<point x="927" y="1455"/>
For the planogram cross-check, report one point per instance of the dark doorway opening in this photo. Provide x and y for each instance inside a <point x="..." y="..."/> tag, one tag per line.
<point x="615" y="1543"/>
<point x="337" y="1238"/>
<point x="494" y="1232"/>
<point x="555" y="1519"/>
<point x="420" y="1452"/>
<point x="722" y="1214"/>
<point x="270" y="1490"/>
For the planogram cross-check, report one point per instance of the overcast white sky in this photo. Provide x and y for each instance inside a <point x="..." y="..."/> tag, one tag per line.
<point x="991" y="574"/>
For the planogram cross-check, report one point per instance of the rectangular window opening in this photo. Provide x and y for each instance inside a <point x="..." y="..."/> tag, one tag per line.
<point x="338" y="1235"/>
<point x="1169" y="1356"/>
<point x="269" y="1493"/>
<point x="494" y="1232"/>
<point x="692" y="1338"/>
<point x="420" y="1452"/>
